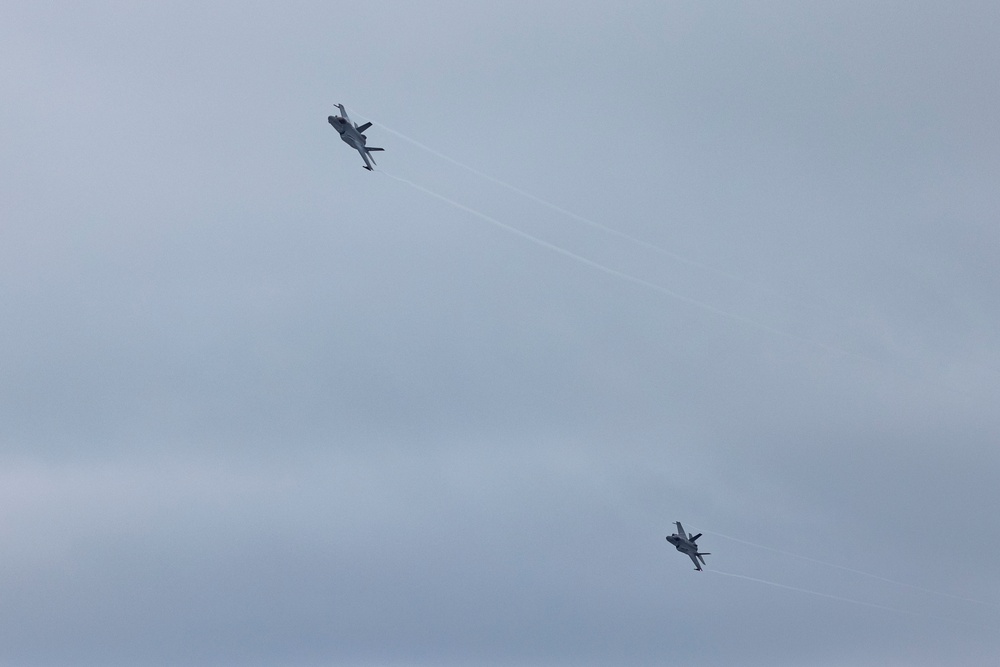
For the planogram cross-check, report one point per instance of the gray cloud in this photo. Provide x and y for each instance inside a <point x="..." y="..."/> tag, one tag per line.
<point x="259" y="406"/>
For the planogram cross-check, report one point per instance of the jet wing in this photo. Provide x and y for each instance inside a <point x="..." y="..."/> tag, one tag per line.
<point x="680" y="530"/>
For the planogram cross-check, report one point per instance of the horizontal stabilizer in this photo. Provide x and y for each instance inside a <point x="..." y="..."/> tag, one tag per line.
<point x="372" y="148"/>
<point x="362" y="128"/>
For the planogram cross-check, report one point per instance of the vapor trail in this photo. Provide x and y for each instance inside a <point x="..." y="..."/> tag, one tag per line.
<point x="851" y="569"/>
<point x="560" y="209"/>
<point x="627" y="277"/>
<point x="839" y="598"/>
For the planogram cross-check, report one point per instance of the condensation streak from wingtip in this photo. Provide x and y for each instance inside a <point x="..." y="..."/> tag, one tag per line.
<point x="559" y="209"/>
<point x="667" y="253"/>
<point x="839" y="598"/>
<point x="633" y="279"/>
<point x="855" y="571"/>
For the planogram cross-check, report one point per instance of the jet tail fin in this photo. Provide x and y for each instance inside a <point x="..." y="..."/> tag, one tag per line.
<point x="369" y="161"/>
<point x="372" y="148"/>
<point x="362" y="128"/>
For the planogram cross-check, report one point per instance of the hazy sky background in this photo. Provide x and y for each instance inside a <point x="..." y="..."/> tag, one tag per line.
<point x="259" y="406"/>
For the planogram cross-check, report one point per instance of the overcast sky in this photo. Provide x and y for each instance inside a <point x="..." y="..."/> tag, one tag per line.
<point x="259" y="406"/>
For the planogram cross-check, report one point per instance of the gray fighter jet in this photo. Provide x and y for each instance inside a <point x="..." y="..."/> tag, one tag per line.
<point x="353" y="135"/>
<point x="686" y="545"/>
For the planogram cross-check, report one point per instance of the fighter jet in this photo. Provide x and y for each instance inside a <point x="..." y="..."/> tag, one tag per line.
<point x="686" y="545"/>
<point x="353" y="135"/>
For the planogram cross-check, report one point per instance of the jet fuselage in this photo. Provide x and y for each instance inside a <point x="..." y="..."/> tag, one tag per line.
<point x="348" y="132"/>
